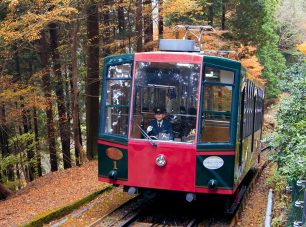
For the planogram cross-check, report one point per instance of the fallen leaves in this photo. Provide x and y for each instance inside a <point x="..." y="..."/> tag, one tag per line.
<point x="49" y="192"/>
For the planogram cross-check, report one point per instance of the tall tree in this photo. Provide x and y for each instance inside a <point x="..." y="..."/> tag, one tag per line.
<point x="30" y="152"/>
<point x="92" y="80"/>
<point x="160" y="19"/>
<point x="148" y="25"/>
<point x="223" y="15"/>
<point x="139" y="30"/>
<point x="106" y="30"/>
<point x="121" y="24"/>
<point x="210" y="17"/>
<point x="46" y="81"/>
<point x="120" y="12"/>
<point x="59" y="90"/>
<point x="75" y="102"/>
<point x="4" y="142"/>
<point x="36" y="138"/>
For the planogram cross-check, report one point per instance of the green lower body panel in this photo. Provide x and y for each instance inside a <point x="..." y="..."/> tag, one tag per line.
<point x="224" y="175"/>
<point x="109" y="161"/>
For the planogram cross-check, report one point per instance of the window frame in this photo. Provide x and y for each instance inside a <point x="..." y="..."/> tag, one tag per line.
<point x="108" y="62"/>
<point x="233" y="113"/>
<point x="134" y="102"/>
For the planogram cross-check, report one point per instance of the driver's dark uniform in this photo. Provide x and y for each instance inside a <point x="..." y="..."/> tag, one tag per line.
<point x="164" y="128"/>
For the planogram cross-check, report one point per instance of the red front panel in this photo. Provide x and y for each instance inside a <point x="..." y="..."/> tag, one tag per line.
<point x="177" y="174"/>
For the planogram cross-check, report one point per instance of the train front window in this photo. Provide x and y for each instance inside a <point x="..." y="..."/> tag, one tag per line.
<point x="216" y="105"/>
<point x="172" y="87"/>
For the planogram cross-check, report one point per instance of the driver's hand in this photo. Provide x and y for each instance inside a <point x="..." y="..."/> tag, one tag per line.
<point x="149" y="129"/>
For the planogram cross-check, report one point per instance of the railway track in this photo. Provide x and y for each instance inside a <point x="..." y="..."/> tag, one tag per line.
<point x="176" y="212"/>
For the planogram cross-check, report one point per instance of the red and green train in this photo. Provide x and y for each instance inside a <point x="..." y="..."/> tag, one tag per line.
<point x="216" y="113"/>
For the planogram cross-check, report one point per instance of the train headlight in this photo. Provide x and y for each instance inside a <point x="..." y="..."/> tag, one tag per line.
<point x="161" y="160"/>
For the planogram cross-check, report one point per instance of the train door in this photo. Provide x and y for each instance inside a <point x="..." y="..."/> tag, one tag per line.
<point x="171" y="83"/>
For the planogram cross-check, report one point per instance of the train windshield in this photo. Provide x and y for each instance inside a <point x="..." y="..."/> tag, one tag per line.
<point x="169" y="90"/>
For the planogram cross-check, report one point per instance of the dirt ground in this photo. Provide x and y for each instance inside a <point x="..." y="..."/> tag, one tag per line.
<point x="49" y="192"/>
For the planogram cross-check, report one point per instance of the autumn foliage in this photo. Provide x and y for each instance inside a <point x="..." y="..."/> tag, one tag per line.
<point x="302" y="47"/>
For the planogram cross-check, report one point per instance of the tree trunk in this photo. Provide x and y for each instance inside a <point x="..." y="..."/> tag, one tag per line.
<point x="92" y="80"/>
<point x="120" y="12"/>
<point x="106" y="32"/>
<point x="121" y="25"/>
<point x="68" y="86"/>
<point x="63" y="123"/>
<point x="223" y="15"/>
<point x="37" y="145"/>
<point x="160" y="20"/>
<point x="211" y="14"/>
<point x="46" y="81"/>
<point x="76" y="149"/>
<point x="148" y="25"/>
<point x="75" y="102"/>
<point x="130" y="14"/>
<point x="30" y="176"/>
<point x="4" y="192"/>
<point x="4" y="143"/>
<point x="139" y="26"/>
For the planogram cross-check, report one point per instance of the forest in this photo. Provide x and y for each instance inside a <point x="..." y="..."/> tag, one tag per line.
<point x="51" y="55"/>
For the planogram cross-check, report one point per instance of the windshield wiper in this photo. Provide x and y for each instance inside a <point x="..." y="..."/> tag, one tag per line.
<point x="143" y="132"/>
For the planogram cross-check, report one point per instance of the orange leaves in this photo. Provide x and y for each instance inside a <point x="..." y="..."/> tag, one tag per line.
<point x="250" y="62"/>
<point x="302" y="47"/>
<point x="18" y="97"/>
<point x="178" y="7"/>
<point x="29" y="25"/>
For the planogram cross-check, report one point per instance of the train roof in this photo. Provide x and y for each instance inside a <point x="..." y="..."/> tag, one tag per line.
<point x="207" y="58"/>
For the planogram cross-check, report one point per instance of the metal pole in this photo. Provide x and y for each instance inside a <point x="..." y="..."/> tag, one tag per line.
<point x="304" y="209"/>
<point x="269" y="209"/>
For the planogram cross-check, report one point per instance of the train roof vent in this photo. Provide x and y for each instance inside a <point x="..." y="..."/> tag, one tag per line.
<point x="177" y="45"/>
<point x="186" y="44"/>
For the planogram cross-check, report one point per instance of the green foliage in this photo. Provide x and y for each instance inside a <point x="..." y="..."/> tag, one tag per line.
<point x="293" y="75"/>
<point x="256" y="25"/>
<point x="20" y="145"/>
<point x="8" y="160"/>
<point x="248" y="21"/>
<point x="3" y="10"/>
<point x="268" y="52"/>
<point x="290" y="139"/>
<point x="277" y="221"/>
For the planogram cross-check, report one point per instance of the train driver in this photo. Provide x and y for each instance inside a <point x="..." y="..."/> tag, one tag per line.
<point x="160" y="128"/>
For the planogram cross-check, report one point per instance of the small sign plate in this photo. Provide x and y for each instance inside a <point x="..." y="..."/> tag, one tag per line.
<point x="213" y="162"/>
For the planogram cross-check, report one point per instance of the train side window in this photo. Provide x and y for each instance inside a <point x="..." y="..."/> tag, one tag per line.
<point x="218" y="75"/>
<point x="258" y="110"/>
<point x="248" y="109"/>
<point x="118" y="84"/>
<point x="217" y="105"/>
